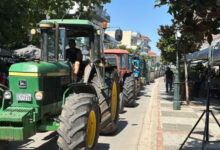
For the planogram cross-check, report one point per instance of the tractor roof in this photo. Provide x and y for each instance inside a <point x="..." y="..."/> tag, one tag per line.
<point x="134" y="55"/>
<point x="115" y="51"/>
<point x="69" y="22"/>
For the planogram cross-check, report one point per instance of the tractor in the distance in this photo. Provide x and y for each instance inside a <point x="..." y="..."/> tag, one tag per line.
<point x="44" y="97"/>
<point x="136" y="71"/>
<point x="144" y="71"/>
<point x="119" y="58"/>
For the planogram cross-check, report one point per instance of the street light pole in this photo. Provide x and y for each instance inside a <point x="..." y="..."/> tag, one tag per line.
<point x="176" y="102"/>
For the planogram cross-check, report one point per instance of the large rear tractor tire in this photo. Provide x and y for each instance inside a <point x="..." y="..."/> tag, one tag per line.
<point x="79" y="123"/>
<point x="129" y="91"/>
<point x="109" y="103"/>
<point x="137" y="86"/>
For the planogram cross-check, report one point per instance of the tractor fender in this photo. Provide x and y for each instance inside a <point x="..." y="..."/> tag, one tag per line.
<point x="3" y="87"/>
<point x="126" y="75"/>
<point x="79" y="88"/>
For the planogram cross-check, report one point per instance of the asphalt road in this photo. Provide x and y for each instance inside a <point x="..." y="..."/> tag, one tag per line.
<point x="127" y="136"/>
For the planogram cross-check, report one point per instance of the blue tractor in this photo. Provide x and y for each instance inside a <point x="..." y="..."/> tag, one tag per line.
<point x="135" y="67"/>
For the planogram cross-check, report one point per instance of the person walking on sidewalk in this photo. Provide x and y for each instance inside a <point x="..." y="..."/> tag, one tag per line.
<point x="168" y="77"/>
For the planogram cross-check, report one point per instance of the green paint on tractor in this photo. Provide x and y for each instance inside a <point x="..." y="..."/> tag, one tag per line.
<point x="19" y="120"/>
<point x="69" y="21"/>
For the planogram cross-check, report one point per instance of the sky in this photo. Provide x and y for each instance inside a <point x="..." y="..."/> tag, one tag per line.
<point x="139" y="16"/>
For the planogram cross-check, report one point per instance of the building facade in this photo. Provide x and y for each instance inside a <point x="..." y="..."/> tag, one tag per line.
<point x="133" y="40"/>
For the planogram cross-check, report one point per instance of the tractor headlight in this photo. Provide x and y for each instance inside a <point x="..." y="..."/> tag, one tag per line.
<point x="38" y="95"/>
<point x="7" y="95"/>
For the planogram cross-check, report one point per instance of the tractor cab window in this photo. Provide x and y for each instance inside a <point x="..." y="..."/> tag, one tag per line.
<point x="97" y="47"/>
<point x="130" y="63"/>
<point x="51" y="45"/>
<point x="82" y="39"/>
<point x="122" y="62"/>
<point x="111" y="59"/>
<point x="82" y="43"/>
<point x="126" y="61"/>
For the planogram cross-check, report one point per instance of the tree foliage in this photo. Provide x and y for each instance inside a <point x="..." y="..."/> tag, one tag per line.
<point x="130" y="50"/>
<point x="168" y="44"/>
<point x="16" y="16"/>
<point x="198" y="17"/>
<point x="196" y="20"/>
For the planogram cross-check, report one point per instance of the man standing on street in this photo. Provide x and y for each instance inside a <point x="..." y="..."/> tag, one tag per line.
<point x="168" y="77"/>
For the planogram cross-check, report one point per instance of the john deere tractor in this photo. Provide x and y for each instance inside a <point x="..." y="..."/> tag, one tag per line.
<point x="43" y="96"/>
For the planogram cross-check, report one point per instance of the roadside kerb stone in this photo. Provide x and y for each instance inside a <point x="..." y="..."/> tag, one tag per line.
<point x="148" y="138"/>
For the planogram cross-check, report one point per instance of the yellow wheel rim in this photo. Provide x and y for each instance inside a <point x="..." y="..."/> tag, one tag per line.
<point x="114" y="100"/>
<point x="91" y="129"/>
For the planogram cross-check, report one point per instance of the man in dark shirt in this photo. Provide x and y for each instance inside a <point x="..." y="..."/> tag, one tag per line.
<point x="169" y="79"/>
<point x="74" y="55"/>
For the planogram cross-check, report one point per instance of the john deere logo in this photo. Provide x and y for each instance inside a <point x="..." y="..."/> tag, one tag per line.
<point x="22" y="84"/>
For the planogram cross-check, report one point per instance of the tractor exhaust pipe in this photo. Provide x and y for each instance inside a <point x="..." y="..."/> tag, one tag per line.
<point x="57" y="41"/>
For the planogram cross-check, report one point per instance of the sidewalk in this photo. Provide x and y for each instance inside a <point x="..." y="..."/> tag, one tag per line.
<point x="174" y="125"/>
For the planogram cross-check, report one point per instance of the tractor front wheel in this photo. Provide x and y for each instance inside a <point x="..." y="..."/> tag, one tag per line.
<point x="79" y="122"/>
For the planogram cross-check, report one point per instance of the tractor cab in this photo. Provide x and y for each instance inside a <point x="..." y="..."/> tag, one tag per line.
<point x="119" y="58"/>
<point x="86" y="36"/>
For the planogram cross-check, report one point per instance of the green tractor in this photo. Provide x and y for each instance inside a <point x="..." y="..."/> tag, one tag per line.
<point x="143" y="71"/>
<point x="43" y="96"/>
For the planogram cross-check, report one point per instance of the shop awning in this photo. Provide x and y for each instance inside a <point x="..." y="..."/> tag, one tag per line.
<point x="203" y="55"/>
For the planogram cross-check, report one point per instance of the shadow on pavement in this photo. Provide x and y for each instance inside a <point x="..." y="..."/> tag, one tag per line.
<point x="123" y="112"/>
<point x="167" y="98"/>
<point x="143" y="94"/>
<point x="121" y="126"/>
<point x="197" y="144"/>
<point x="103" y="146"/>
<point x="51" y="144"/>
<point x="201" y="101"/>
<point x="135" y="105"/>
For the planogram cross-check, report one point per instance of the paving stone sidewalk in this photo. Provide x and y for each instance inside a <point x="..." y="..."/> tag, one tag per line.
<point x="174" y="125"/>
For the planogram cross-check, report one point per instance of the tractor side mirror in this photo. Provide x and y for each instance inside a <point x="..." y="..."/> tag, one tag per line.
<point x="118" y="34"/>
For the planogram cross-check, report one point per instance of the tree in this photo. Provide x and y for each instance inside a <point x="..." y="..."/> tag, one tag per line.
<point x="198" y="17"/>
<point x="124" y="47"/>
<point x="167" y="44"/>
<point x="16" y="16"/>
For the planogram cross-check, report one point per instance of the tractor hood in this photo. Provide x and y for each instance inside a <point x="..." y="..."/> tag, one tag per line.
<point x="39" y="69"/>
